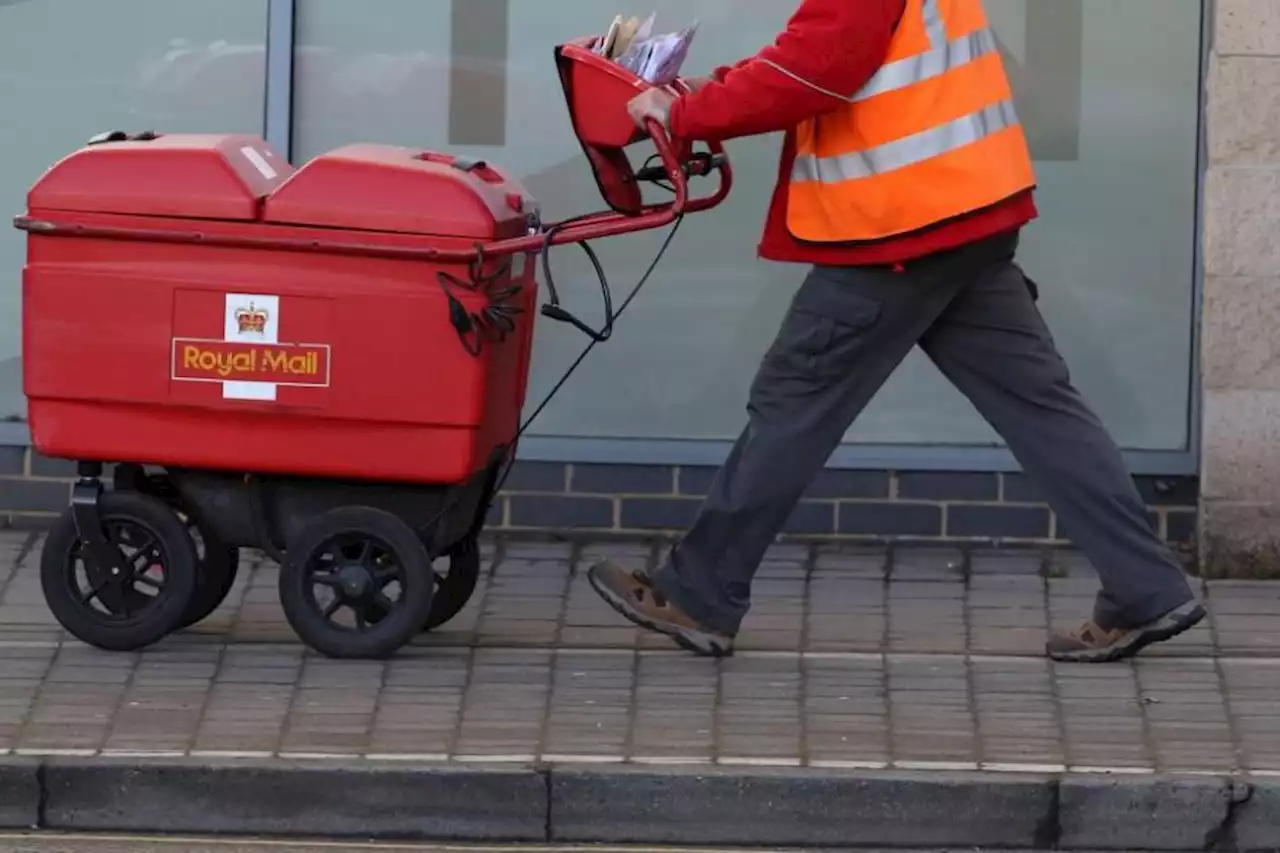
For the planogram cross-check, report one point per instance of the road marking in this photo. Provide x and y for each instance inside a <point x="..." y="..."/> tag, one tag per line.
<point x="941" y="766"/>
<point x="760" y="761"/>
<point x="515" y="758"/>
<point x="837" y="764"/>
<point x="557" y="758"/>
<point x="1018" y="767"/>
<point x="998" y="767"/>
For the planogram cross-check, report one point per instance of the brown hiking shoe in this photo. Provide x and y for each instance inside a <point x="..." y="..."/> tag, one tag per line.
<point x="631" y="594"/>
<point x="1092" y="644"/>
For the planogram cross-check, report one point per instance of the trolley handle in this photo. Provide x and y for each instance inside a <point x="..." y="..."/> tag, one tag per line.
<point x="609" y="223"/>
<point x="699" y="165"/>
<point x="581" y="229"/>
<point x="673" y="167"/>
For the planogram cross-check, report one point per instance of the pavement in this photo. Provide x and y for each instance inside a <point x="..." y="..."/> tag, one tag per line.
<point x="884" y="698"/>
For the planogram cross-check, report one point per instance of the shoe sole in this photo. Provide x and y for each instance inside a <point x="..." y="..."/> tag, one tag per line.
<point x="698" y="642"/>
<point x="1138" y="641"/>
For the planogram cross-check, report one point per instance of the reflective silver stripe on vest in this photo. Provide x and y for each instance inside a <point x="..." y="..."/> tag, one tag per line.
<point x="907" y="151"/>
<point x="926" y="66"/>
<point x="934" y="26"/>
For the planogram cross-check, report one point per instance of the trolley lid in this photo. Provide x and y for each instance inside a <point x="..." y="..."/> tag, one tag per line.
<point x="197" y="176"/>
<point x="371" y="187"/>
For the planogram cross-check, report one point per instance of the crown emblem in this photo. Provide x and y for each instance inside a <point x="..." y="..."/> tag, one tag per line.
<point x="252" y="319"/>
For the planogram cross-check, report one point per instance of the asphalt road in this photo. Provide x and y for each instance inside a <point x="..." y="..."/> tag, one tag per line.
<point x="47" y="843"/>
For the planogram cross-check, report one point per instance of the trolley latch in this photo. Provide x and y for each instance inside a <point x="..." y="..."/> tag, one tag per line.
<point x="122" y="136"/>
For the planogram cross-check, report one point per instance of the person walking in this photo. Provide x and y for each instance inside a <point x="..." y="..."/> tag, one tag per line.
<point x="904" y="182"/>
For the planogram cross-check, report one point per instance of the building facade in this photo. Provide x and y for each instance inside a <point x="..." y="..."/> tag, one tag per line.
<point x="1240" y="360"/>
<point x="1154" y="127"/>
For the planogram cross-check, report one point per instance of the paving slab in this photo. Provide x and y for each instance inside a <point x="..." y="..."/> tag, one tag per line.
<point x="871" y="682"/>
<point x="883" y="659"/>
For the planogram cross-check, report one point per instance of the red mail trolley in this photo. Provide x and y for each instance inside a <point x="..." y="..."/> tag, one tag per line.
<point x="327" y="363"/>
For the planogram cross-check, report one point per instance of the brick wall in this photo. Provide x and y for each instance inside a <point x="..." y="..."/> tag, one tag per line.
<point x="548" y="496"/>
<point x="846" y="504"/>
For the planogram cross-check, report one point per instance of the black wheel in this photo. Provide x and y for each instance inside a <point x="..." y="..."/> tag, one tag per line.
<point x="216" y="568"/>
<point x="455" y="588"/>
<point x="218" y="565"/>
<point x="357" y="583"/>
<point x="142" y="605"/>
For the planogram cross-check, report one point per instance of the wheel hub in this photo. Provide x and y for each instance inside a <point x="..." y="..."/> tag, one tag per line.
<point x="355" y="581"/>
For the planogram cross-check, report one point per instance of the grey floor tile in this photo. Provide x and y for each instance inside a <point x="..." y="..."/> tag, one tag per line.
<point x="537" y="664"/>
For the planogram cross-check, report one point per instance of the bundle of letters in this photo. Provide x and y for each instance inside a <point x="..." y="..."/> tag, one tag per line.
<point x="655" y="59"/>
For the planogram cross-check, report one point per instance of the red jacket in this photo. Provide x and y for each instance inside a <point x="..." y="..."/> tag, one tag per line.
<point x="836" y="45"/>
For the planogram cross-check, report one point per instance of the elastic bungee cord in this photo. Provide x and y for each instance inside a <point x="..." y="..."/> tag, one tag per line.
<point x="495" y="321"/>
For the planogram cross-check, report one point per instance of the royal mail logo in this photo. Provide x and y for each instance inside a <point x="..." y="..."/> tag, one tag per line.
<point x="250" y="361"/>
<point x="198" y="360"/>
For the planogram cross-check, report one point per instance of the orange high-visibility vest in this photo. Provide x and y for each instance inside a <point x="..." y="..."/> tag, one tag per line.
<point x="932" y="136"/>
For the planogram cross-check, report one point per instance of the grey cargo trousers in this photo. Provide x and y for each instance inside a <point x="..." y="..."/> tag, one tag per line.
<point x="973" y="313"/>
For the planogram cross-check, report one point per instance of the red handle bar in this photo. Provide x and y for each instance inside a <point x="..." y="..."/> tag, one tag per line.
<point x="610" y="224"/>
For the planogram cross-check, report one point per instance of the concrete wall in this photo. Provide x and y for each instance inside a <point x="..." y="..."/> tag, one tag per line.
<point x="1240" y="477"/>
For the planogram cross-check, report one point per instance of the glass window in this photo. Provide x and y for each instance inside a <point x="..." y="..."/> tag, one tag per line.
<point x="72" y="68"/>
<point x="1109" y="90"/>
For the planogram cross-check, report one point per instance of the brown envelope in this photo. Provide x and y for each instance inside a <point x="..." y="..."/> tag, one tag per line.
<point x="626" y="33"/>
<point x="605" y="48"/>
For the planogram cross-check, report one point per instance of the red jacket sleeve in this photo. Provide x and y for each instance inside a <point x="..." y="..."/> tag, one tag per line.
<point x="829" y="50"/>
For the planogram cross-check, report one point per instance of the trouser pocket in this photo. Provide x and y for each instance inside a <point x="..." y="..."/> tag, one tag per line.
<point x="816" y="346"/>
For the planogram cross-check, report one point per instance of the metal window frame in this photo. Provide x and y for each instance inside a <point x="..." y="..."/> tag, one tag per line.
<point x="1195" y="423"/>
<point x="278" y="130"/>
<point x="853" y="457"/>
<point x="277" y="120"/>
